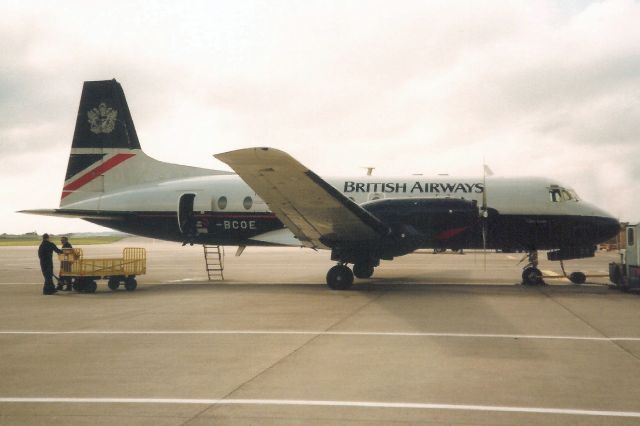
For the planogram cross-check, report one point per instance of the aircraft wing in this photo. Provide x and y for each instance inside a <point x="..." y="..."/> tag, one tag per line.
<point x="319" y="215"/>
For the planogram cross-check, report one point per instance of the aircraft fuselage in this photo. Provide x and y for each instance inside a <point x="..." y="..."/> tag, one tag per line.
<point x="524" y="213"/>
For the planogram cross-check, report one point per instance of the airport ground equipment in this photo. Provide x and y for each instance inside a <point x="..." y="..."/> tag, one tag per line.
<point x="214" y="261"/>
<point x="85" y="271"/>
<point x="626" y="274"/>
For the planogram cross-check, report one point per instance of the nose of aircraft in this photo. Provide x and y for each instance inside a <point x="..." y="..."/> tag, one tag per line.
<point x="603" y="225"/>
<point x="608" y="227"/>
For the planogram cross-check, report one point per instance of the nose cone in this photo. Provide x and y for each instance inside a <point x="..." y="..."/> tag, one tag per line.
<point x="602" y="225"/>
<point x="608" y="227"/>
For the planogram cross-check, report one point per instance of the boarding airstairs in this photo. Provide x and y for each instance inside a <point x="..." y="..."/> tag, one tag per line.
<point x="214" y="261"/>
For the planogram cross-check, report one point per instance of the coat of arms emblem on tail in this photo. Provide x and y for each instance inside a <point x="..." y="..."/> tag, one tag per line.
<point x="102" y="119"/>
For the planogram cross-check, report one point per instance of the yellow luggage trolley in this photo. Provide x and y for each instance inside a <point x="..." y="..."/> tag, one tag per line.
<point x="83" y="272"/>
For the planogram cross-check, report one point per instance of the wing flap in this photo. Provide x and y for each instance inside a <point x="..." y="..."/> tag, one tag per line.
<point x="318" y="214"/>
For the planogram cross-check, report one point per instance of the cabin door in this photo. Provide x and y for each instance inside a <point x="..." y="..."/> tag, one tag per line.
<point x="186" y="218"/>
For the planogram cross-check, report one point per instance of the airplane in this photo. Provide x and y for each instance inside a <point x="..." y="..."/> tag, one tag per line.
<point x="274" y="200"/>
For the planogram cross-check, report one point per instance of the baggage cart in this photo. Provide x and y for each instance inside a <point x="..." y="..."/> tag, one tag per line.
<point x="84" y="272"/>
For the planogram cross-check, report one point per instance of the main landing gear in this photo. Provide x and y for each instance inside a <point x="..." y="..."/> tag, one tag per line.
<point x="340" y="276"/>
<point x="531" y="275"/>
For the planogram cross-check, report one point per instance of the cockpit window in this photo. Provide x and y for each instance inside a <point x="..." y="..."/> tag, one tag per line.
<point x="558" y="194"/>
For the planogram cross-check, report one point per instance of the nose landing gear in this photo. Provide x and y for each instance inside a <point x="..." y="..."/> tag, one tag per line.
<point x="531" y="275"/>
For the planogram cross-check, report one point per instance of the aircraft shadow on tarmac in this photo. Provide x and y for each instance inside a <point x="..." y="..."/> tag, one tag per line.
<point x="502" y="309"/>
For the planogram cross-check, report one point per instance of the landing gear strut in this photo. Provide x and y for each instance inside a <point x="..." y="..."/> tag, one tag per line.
<point x="340" y="277"/>
<point x="531" y="275"/>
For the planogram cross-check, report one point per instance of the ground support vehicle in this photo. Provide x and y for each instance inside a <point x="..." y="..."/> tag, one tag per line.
<point x="85" y="271"/>
<point x="626" y="274"/>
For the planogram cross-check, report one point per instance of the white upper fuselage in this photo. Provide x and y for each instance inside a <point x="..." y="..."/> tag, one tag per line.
<point x="514" y="196"/>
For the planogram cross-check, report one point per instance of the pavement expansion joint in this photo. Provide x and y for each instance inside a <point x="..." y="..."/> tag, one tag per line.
<point x="293" y="352"/>
<point x="590" y="325"/>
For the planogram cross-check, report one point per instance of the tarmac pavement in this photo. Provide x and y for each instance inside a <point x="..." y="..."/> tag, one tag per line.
<point x="431" y="339"/>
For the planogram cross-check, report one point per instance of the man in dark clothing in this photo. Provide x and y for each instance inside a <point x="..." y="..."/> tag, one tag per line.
<point x="66" y="266"/>
<point x="45" y="252"/>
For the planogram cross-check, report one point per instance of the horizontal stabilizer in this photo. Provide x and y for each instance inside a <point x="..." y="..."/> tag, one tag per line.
<point x="80" y="214"/>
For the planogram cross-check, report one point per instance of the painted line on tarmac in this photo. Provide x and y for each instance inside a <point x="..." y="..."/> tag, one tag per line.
<point x="21" y="284"/>
<point x="319" y="333"/>
<point x="327" y="403"/>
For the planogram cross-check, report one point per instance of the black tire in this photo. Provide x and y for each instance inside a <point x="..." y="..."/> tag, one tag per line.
<point x="80" y="285"/>
<point x="615" y="274"/>
<point x="130" y="284"/>
<point x="531" y="276"/>
<point x="113" y="283"/>
<point x="91" y="287"/>
<point x="577" y="277"/>
<point x="339" y="277"/>
<point x="363" y="270"/>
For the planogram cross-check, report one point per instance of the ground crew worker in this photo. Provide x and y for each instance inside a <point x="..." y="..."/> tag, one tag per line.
<point x="66" y="267"/>
<point x="189" y="229"/>
<point x="45" y="252"/>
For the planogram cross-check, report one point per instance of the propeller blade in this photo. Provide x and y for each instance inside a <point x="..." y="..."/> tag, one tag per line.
<point x="486" y="171"/>
<point x="484" y="241"/>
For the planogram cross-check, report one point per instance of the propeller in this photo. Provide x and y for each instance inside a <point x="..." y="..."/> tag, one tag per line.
<point x="484" y="212"/>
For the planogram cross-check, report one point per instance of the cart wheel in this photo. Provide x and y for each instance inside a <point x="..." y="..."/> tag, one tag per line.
<point x="91" y="286"/>
<point x="80" y="285"/>
<point x="114" y="283"/>
<point x="130" y="284"/>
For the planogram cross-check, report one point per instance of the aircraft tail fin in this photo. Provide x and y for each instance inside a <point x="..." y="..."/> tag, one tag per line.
<point x="105" y="153"/>
<point x="104" y="120"/>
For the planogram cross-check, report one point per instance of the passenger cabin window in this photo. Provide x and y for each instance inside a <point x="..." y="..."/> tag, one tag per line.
<point x="222" y="203"/>
<point x="247" y="203"/>
<point x="630" y="237"/>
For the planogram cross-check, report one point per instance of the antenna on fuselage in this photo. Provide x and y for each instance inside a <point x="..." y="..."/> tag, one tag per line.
<point x="369" y="169"/>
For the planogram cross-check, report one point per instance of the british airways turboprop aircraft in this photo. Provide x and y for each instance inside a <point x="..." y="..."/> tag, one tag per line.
<point x="273" y="200"/>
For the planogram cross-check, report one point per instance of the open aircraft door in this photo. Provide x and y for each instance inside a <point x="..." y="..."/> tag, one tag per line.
<point x="186" y="214"/>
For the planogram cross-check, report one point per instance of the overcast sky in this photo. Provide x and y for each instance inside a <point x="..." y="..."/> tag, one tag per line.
<point x="534" y="87"/>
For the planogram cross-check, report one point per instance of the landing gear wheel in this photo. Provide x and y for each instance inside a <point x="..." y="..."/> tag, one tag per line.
<point x="577" y="277"/>
<point x="130" y="284"/>
<point x="113" y="283"/>
<point x="339" y="277"/>
<point x="532" y="276"/>
<point x="615" y="275"/>
<point x="362" y="270"/>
